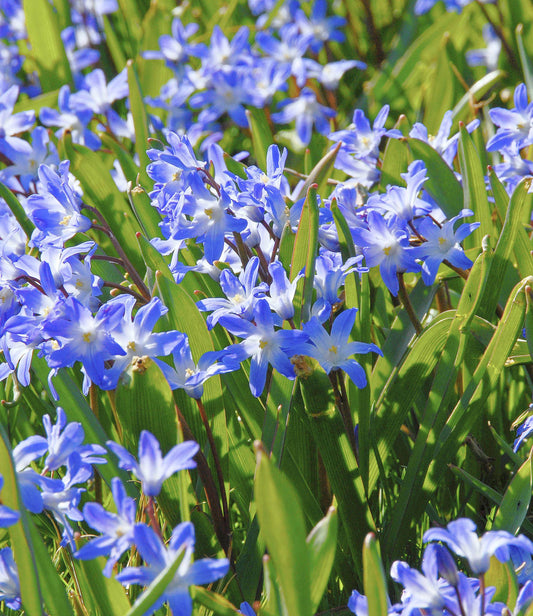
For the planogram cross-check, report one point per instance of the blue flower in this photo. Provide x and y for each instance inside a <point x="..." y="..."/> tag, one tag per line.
<point x="386" y="243"/>
<point x="445" y="145"/>
<point x="306" y="111"/>
<point x="83" y="337"/>
<point x="158" y="556"/>
<point x="241" y="294"/>
<point x="443" y="243"/>
<point x="524" y="431"/>
<point x="9" y="580"/>
<point x="64" y="439"/>
<point x="8" y="517"/>
<point x="461" y="537"/>
<point x="117" y="528"/>
<point x="29" y="481"/>
<point x="56" y="210"/>
<point x="153" y="469"/>
<point x="190" y="376"/>
<point x="264" y="344"/>
<point x="515" y="126"/>
<point x="282" y="291"/>
<point x="333" y="351"/>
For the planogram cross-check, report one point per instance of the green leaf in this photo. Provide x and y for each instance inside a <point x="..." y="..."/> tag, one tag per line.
<point x="213" y="601"/>
<point x="329" y="433"/>
<point x="47" y="48"/>
<point x="107" y="594"/>
<point x="525" y="60"/>
<point x="52" y="586"/>
<point x="144" y="401"/>
<point x="282" y="525"/>
<point x="320" y="173"/>
<point x="140" y="120"/>
<point x="488" y="492"/>
<point x="374" y="578"/>
<point x="442" y="184"/>
<point x="304" y="256"/>
<point x="441" y="93"/>
<point x="261" y="135"/>
<point x="515" y="502"/>
<point x="322" y="545"/>
<point x="463" y="108"/>
<point x="518" y="210"/>
<point x="397" y="397"/>
<point x="502" y="577"/>
<point x="157" y="587"/>
<point x="475" y="192"/>
<point x="23" y="553"/>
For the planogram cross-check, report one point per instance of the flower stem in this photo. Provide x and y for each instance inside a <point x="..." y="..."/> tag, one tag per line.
<point x="218" y="465"/>
<point x="404" y="298"/>
<point x="93" y="403"/>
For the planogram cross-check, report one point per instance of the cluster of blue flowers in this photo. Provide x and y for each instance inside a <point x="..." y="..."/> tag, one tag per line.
<point x="52" y="303"/>
<point x="441" y="588"/>
<point x="63" y="452"/>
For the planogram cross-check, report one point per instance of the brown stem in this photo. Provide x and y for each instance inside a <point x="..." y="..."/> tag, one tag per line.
<point x="404" y="298"/>
<point x="114" y="285"/>
<point x="373" y="32"/>
<point x="507" y="48"/>
<point x="105" y="228"/>
<point x="343" y="409"/>
<point x="210" y="489"/>
<point x="154" y="522"/>
<point x="218" y="465"/>
<point x="463" y="273"/>
<point x="93" y="403"/>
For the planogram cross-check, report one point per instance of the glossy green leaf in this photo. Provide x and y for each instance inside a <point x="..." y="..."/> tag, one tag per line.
<point x="463" y="108"/>
<point x="23" y="552"/>
<point x="320" y="173"/>
<point x="304" y="256"/>
<point x="213" y="601"/>
<point x="261" y="135"/>
<point x="516" y="499"/>
<point x="518" y="209"/>
<point x="375" y="583"/>
<point x="475" y="192"/>
<point x="322" y="545"/>
<point x="107" y="594"/>
<point x="52" y="586"/>
<point x="282" y="525"/>
<point x="502" y="578"/>
<point x="47" y="47"/>
<point x="441" y="94"/>
<point x="144" y="401"/>
<point x="140" y="120"/>
<point x="525" y="59"/>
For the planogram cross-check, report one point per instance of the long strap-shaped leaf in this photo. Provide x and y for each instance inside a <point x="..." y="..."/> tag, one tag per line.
<point x="434" y="449"/>
<point x="38" y="580"/>
<point x="304" y="256"/>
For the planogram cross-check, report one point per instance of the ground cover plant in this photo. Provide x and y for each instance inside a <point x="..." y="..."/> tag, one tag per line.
<point x="265" y="320"/>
